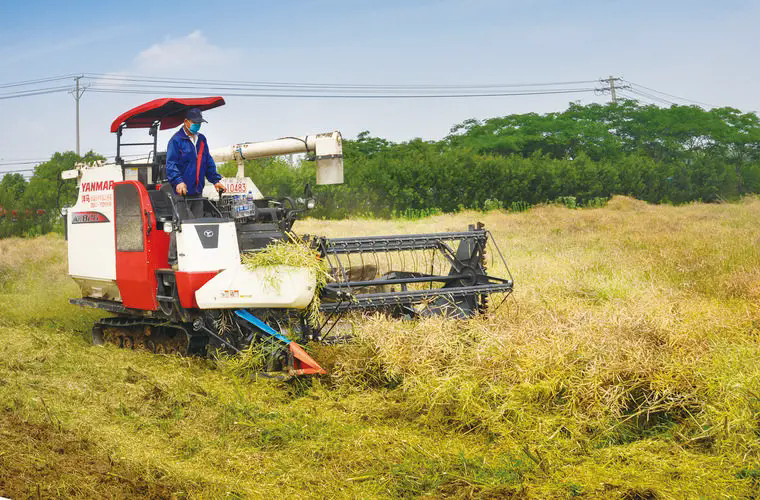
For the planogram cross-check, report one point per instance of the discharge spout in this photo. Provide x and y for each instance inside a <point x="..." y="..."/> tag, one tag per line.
<point x="327" y="147"/>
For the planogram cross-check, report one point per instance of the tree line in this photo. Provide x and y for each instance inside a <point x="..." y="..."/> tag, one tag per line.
<point x="661" y="155"/>
<point x="32" y="207"/>
<point x="586" y="152"/>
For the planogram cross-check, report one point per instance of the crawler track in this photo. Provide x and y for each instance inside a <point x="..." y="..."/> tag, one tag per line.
<point x="152" y="335"/>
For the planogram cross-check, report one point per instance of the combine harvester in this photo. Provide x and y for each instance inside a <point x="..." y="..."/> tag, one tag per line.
<point x="118" y="237"/>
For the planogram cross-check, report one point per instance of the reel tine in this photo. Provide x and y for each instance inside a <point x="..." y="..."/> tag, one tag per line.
<point x="361" y="258"/>
<point x="432" y="263"/>
<point x="377" y="264"/>
<point x="343" y="273"/>
<point x="348" y="257"/>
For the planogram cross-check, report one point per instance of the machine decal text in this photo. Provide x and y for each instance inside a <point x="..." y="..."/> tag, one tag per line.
<point x="236" y="187"/>
<point x="88" y="217"/>
<point x="97" y="200"/>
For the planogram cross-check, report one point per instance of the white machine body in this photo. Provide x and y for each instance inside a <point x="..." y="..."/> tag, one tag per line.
<point x="90" y="231"/>
<point x="272" y="286"/>
<point x="206" y="245"/>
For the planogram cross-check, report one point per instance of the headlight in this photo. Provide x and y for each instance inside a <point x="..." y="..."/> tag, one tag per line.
<point x="311" y="203"/>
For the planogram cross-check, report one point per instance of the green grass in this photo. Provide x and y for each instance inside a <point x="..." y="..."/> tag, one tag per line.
<point x="628" y="366"/>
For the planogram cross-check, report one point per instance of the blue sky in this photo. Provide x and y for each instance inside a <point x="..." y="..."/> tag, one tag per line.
<point x="701" y="50"/>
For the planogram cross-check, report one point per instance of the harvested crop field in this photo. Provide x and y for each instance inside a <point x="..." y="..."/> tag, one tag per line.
<point x="627" y="366"/>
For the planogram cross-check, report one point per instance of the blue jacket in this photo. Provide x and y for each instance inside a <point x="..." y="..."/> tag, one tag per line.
<point x="181" y="162"/>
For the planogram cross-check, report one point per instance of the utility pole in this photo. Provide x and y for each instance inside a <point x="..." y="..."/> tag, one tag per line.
<point x="611" y="87"/>
<point x="611" y="82"/>
<point x="77" y="93"/>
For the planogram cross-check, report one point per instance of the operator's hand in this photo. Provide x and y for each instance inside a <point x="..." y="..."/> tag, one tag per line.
<point x="219" y="187"/>
<point x="182" y="189"/>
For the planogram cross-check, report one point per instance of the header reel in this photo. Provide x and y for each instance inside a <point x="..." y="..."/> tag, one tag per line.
<point x="415" y="275"/>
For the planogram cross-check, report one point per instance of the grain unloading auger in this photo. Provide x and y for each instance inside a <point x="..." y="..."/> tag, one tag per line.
<point x="118" y="236"/>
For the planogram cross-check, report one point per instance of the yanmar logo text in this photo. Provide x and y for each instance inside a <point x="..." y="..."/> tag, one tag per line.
<point x="87" y="187"/>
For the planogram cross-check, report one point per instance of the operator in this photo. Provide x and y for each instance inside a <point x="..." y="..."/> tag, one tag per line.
<point x="188" y="163"/>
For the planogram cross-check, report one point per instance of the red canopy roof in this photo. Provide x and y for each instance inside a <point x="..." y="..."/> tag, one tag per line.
<point x="169" y="111"/>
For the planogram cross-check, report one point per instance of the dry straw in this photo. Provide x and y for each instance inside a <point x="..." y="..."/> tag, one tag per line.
<point x="294" y="253"/>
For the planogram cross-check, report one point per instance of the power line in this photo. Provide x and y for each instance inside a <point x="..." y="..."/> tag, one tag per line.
<point x="652" y="97"/>
<point x="225" y="88"/>
<point x="636" y="95"/>
<point x="128" y="84"/>
<point x="257" y="84"/>
<point x="162" y="90"/>
<point x="25" y="161"/>
<point x="16" y="171"/>
<point x="21" y="159"/>
<point x="20" y="162"/>
<point x="27" y="173"/>
<point x="131" y="84"/>
<point x="134" y="84"/>
<point x="33" y="92"/>
<point x="672" y="95"/>
<point x="628" y="95"/>
<point x="35" y="82"/>
<point x="137" y="84"/>
<point x="348" y="96"/>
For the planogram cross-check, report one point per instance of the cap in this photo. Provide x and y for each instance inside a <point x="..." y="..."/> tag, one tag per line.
<point x="194" y="115"/>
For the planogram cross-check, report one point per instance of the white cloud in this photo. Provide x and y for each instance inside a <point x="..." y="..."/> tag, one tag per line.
<point x="192" y="53"/>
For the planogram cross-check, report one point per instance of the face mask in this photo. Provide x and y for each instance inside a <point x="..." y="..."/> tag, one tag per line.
<point x="194" y="128"/>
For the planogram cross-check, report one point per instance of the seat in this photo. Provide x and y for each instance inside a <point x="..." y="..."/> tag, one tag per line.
<point x="162" y="205"/>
